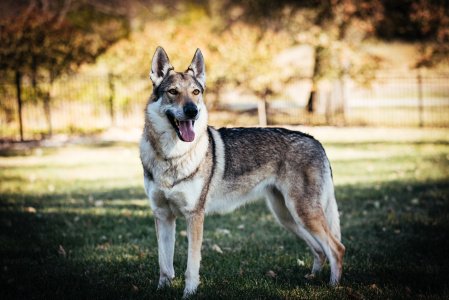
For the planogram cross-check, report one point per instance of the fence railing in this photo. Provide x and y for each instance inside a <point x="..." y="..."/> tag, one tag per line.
<point x="92" y="103"/>
<point x="387" y="100"/>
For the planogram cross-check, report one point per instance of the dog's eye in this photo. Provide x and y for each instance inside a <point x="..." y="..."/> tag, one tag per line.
<point x="173" y="91"/>
<point x="196" y="92"/>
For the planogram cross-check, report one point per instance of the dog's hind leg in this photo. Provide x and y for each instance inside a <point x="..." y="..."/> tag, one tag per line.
<point x="165" y="231"/>
<point x="311" y="221"/>
<point x="276" y="203"/>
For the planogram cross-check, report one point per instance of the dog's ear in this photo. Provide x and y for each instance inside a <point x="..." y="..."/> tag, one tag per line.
<point x="160" y="66"/>
<point x="197" y="68"/>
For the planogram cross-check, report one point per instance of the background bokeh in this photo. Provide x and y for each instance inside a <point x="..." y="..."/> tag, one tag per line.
<point x="82" y="66"/>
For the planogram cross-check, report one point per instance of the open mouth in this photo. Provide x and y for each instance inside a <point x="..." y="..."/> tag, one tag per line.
<point x="184" y="129"/>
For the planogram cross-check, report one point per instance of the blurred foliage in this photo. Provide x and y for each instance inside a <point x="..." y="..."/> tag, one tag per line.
<point x="39" y="41"/>
<point x="242" y="40"/>
<point x="241" y="55"/>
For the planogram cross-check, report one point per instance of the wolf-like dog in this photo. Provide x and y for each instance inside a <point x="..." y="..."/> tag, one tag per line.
<point x="191" y="170"/>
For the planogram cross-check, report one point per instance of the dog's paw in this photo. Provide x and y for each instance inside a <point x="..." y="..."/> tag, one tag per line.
<point x="187" y="293"/>
<point x="163" y="282"/>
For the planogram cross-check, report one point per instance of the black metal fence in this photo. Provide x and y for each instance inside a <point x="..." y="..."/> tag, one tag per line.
<point x="386" y="100"/>
<point x="92" y="103"/>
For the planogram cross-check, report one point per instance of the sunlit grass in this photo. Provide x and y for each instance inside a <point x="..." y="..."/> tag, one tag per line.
<point x="392" y="188"/>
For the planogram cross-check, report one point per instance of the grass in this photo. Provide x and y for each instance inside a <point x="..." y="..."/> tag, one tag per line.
<point x="75" y="223"/>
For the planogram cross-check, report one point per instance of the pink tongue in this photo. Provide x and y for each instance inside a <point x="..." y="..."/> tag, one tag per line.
<point x="186" y="128"/>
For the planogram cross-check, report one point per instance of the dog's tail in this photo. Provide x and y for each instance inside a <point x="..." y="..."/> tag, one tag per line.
<point x="331" y="211"/>
<point x="333" y="219"/>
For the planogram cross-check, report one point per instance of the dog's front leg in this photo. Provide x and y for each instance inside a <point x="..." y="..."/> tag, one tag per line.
<point x="165" y="230"/>
<point x="195" y="235"/>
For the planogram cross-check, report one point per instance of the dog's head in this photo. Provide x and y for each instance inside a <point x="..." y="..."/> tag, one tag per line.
<point x="179" y="95"/>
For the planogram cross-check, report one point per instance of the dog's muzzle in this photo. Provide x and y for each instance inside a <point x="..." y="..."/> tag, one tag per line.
<point x="190" y="111"/>
<point x="184" y="129"/>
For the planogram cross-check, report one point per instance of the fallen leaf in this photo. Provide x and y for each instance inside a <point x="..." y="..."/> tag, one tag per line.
<point x="352" y="296"/>
<point x="61" y="251"/>
<point x="271" y="273"/>
<point x="183" y="233"/>
<point x="240" y="271"/>
<point x="300" y="262"/>
<point x="30" y="209"/>
<point x="217" y="248"/>
<point x="135" y="288"/>
<point x="104" y="246"/>
<point x="222" y="231"/>
<point x="374" y="287"/>
<point x="309" y="276"/>
<point x="225" y="281"/>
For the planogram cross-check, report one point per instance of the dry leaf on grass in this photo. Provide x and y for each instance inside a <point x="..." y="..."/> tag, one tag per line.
<point x="309" y="276"/>
<point x="61" y="251"/>
<point x="271" y="273"/>
<point x="30" y="209"/>
<point x="222" y="231"/>
<point x="217" y="248"/>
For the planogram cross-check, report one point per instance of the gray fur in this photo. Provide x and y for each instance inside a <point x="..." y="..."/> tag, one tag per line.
<point x="220" y="170"/>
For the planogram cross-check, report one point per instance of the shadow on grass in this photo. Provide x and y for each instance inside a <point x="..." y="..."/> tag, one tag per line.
<point x="395" y="236"/>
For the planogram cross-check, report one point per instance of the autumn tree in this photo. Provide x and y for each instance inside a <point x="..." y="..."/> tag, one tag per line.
<point x="41" y="43"/>
<point x="423" y="21"/>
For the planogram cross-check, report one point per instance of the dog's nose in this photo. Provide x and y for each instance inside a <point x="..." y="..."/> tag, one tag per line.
<point x="190" y="111"/>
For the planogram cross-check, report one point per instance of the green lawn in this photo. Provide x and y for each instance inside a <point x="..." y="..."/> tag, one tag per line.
<point x="75" y="224"/>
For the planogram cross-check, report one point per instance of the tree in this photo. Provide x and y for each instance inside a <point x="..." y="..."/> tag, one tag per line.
<point x="428" y="23"/>
<point x="41" y="44"/>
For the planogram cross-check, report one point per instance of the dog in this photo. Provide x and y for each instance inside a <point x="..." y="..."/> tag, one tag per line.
<point x="192" y="169"/>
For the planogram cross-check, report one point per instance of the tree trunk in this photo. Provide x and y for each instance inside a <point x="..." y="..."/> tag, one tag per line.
<point x="311" y="102"/>
<point x="317" y="75"/>
<point x="111" y="98"/>
<point x="47" y="112"/>
<point x="19" y="102"/>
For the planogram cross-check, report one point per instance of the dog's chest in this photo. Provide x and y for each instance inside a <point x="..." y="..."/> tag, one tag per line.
<point x="181" y="198"/>
<point x="173" y="189"/>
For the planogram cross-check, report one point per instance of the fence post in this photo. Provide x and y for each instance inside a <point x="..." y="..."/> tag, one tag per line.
<point x="420" y="100"/>
<point x="262" y="110"/>
<point x="111" y="97"/>
<point x="19" y="103"/>
<point x="328" y="108"/>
